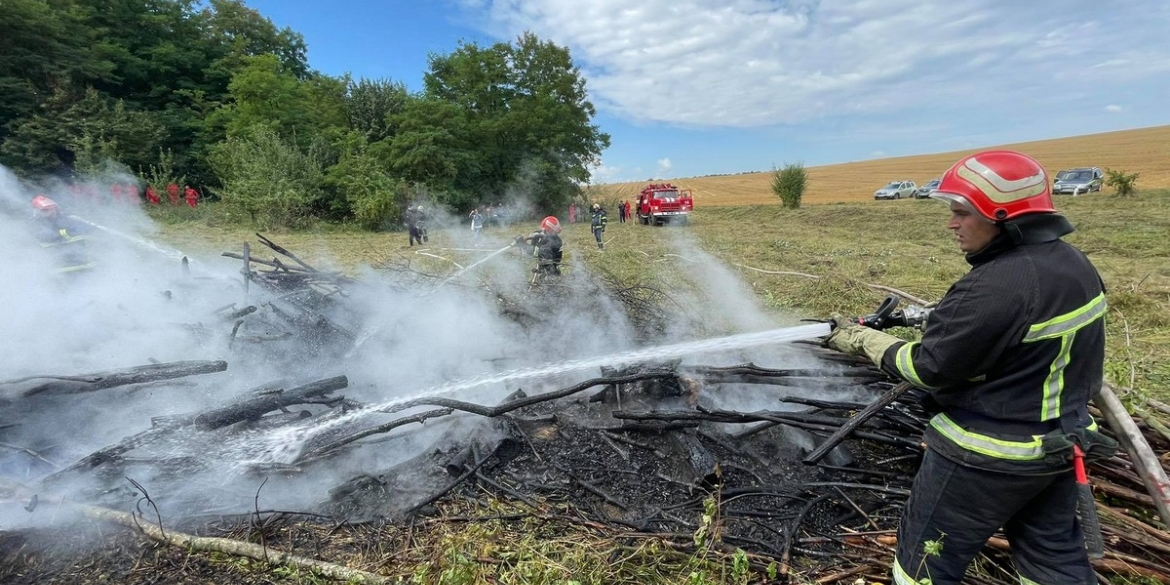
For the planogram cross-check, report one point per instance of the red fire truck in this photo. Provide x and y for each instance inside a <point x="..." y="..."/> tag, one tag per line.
<point x="662" y="203"/>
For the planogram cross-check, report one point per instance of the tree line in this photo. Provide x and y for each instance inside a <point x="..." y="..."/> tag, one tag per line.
<point x="213" y="94"/>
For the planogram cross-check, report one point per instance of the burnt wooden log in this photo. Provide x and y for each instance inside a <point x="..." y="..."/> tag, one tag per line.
<point x="316" y="452"/>
<point x="254" y="408"/>
<point x="49" y="385"/>
<point x="280" y="250"/>
<point x="857" y="420"/>
<point x="275" y="264"/>
<point x="699" y="461"/>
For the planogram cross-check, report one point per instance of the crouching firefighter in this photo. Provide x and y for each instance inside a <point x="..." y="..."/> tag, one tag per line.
<point x="62" y="235"/>
<point x="544" y="245"/>
<point x="1010" y="358"/>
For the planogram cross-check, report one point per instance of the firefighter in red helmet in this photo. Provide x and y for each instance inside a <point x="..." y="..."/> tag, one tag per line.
<point x="61" y="233"/>
<point x="1009" y="360"/>
<point x="545" y="245"/>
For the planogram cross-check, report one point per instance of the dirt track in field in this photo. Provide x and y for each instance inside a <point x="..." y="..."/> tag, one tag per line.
<point x="1145" y="151"/>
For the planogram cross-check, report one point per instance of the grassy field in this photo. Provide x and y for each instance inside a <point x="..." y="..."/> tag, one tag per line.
<point x="1145" y="151"/>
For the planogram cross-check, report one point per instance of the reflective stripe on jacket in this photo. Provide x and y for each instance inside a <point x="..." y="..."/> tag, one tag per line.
<point x="598" y="221"/>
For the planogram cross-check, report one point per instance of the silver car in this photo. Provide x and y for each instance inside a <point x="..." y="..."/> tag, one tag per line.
<point x="1077" y="181"/>
<point x="896" y="190"/>
<point x="927" y="190"/>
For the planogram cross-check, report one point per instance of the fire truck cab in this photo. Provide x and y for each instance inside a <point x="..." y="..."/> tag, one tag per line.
<point x="660" y="203"/>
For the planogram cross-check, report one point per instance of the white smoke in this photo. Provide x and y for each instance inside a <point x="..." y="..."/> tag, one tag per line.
<point x="139" y="305"/>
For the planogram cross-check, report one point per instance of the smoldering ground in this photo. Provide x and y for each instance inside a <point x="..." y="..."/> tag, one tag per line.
<point x="443" y="336"/>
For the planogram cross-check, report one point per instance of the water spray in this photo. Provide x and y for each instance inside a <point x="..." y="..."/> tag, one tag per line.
<point x="284" y="445"/>
<point x="170" y="253"/>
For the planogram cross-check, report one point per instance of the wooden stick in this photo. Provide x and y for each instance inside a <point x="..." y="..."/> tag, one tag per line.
<point x="880" y="287"/>
<point x="840" y="434"/>
<point x="204" y="543"/>
<point x="1145" y="462"/>
<point x="54" y="385"/>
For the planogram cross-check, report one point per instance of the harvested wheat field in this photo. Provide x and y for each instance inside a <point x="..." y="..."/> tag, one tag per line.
<point x="1145" y="151"/>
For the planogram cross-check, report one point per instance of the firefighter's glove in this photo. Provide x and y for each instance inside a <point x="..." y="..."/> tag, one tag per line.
<point x="1058" y="446"/>
<point x="853" y="339"/>
<point x="518" y="242"/>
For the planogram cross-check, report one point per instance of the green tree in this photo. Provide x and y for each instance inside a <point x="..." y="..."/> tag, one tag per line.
<point x="526" y="112"/>
<point x="264" y="94"/>
<point x="431" y="145"/>
<point x="86" y="129"/>
<point x="44" y="46"/>
<point x="372" y="105"/>
<point x="172" y="59"/>
<point x="788" y="184"/>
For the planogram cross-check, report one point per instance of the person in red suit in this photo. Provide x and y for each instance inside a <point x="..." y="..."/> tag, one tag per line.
<point x="192" y="197"/>
<point x="151" y="195"/>
<point x="173" y="193"/>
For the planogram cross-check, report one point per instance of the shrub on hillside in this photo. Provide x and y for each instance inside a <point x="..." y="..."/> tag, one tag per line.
<point x="1124" y="183"/>
<point x="788" y="184"/>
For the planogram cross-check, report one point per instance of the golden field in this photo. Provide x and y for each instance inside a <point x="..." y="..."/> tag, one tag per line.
<point x="1145" y="151"/>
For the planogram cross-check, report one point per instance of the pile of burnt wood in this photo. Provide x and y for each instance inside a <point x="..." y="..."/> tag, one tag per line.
<point x="644" y="448"/>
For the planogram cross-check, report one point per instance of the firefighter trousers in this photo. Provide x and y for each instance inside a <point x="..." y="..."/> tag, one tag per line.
<point x="953" y="509"/>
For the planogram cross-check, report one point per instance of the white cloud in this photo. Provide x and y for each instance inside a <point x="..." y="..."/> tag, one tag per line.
<point x="664" y="165"/>
<point x="1113" y="108"/>
<point x="602" y="173"/>
<point x="745" y="63"/>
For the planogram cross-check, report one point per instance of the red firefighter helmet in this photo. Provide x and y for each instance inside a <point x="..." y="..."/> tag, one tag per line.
<point x="998" y="184"/>
<point x="42" y="203"/>
<point x="550" y="225"/>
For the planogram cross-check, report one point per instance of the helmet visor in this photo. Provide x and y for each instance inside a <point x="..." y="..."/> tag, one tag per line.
<point x="949" y="198"/>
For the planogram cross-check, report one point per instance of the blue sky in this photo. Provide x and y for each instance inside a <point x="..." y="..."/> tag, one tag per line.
<point x="696" y="87"/>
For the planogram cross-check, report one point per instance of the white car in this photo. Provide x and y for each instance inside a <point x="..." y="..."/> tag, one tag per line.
<point x="896" y="190"/>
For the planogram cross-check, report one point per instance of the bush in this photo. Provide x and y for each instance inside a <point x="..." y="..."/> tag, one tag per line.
<point x="374" y="198"/>
<point x="271" y="181"/>
<point x="1122" y="182"/>
<point x="788" y="184"/>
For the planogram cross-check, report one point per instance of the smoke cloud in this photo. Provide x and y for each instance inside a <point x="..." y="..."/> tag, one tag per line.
<point x="141" y="304"/>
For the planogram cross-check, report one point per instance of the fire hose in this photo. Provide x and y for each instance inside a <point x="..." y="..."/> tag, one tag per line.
<point x="888" y="315"/>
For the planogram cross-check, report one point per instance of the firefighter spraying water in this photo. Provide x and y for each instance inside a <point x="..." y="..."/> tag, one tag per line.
<point x="544" y="245"/>
<point x="1009" y="359"/>
<point x="62" y="234"/>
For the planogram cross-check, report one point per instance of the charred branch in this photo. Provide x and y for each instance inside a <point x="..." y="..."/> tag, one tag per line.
<point x="254" y="408"/>
<point x="55" y="384"/>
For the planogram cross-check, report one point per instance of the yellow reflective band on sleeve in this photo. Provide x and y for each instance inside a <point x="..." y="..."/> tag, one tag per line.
<point x="1069" y="322"/>
<point x="1065" y="328"/>
<point x="901" y="577"/>
<point x="1026" y="581"/>
<point x="905" y="365"/>
<point x="987" y="445"/>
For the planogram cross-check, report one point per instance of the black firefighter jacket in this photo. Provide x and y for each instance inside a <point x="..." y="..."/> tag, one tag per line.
<point x="1014" y="346"/>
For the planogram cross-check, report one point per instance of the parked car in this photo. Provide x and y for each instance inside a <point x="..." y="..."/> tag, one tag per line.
<point x="1078" y="180"/>
<point x="896" y="190"/>
<point x="927" y="190"/>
